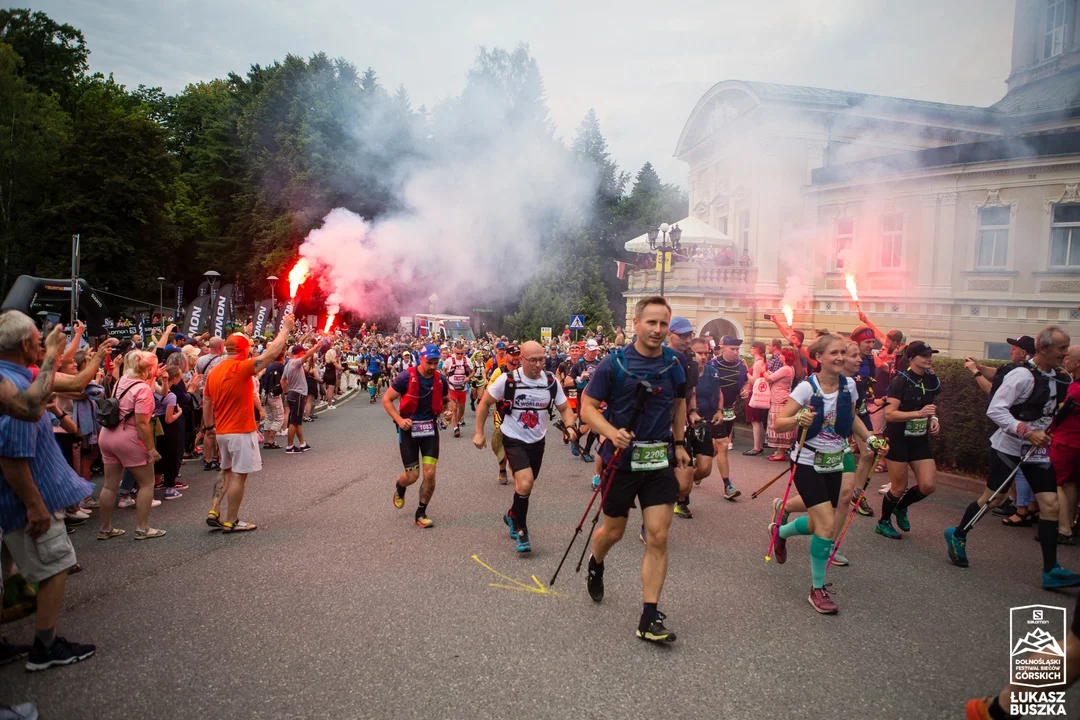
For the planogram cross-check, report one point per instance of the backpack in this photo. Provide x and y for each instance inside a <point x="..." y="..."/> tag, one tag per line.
<point x="504" y="406"/>
<point x="108" y="410"/>
<point x="999" y="376"/>
<point x="618" y="359"/>
<point x="1032" y="408"/>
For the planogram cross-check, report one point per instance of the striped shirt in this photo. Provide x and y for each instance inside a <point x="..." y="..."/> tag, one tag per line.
<point x="58" y="484"/>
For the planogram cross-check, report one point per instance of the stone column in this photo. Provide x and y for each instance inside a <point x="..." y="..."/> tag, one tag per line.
<point x="924" y="277"/>
<point x="945" y="246"/>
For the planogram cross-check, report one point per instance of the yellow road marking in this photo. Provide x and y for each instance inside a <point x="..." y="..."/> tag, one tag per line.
<point x="537" y="586"/>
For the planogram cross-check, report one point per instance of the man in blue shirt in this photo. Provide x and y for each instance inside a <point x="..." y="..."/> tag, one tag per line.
<point x="645" y="470"/>
<point x="36" y="484"/>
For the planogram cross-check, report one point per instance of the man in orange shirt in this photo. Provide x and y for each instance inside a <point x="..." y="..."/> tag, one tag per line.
<point x="230" y="391"/>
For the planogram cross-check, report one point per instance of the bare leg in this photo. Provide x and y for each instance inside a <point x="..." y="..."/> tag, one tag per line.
<point x="1067" y="508"/>
<point x="50" y="600"/>
<point x="221" y="488"/>
<point x="657" y="520"/>
<point x="114" y="472"/>
<point x="236" y="484"/>
<point x="144" y="479"/>
<point x="427" y="487"/>
<point x="610" y="532"/>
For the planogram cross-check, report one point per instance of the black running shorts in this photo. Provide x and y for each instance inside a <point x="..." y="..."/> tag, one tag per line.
<point x="417" y="450"/>
<point x="816" y="488"/>
<point x="653" y="487"/>
<point x="703" y="446"/>
<point x="296" y="407"/>
<point x="905" y="449"/>
<point x="522" y="455"/>
<point x="723" y="430"/>
<point x="1041" y="478"/>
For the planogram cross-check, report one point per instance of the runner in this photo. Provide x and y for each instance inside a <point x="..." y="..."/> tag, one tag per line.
<point x="581" y="372"/>
<point x="564" y="376"/>
<point x="476" y="385"/>
<point x="520" y="396"/>
<point x="423" y="391"/>
<point x="511" y="362"/>
<point x="825" y="406"/>
<point x="732" y="372"/>
<point x="458" y="370"/>
<point x="864" y="383"/>
<point x="911" y="418"/>
<point x="1023" y="408"/>
<point x="680" y="333"/>
<point x="645" y="471"/>
<point x="375" y="369"/>
<point x="702" y="432"/>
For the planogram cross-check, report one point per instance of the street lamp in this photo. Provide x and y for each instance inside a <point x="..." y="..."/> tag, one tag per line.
<point x="674" y="233"/>
<point x="161" y="301"/>
<point x="272" y="279"/>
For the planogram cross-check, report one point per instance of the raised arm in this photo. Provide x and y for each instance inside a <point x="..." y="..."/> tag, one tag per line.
<point x="277" y="345"/>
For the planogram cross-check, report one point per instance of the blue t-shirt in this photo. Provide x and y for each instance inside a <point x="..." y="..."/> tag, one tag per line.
<point x="374" y="365"/>
<point x="655" y="420"/>
<point x="708" y="390"/>
<point x="423" y="402"/>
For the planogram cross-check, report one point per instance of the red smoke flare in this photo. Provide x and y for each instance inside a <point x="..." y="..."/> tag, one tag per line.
<point x="300" y="272"/>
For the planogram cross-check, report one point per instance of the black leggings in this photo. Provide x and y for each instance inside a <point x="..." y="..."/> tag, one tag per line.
<point x="171" y="447"/>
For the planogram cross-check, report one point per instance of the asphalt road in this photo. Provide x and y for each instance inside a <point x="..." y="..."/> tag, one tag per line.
<point x="338" y="606"/>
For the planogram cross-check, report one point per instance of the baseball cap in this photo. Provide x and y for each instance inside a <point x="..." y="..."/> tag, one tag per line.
<point x="406" y="352"/>
<point x="591" y="344"/>
<point x="730" y="341"/>
<point x="862" y="333"/>
<point x="430" y="352"/>
<point x="918" y="347"/>
<point x="500" y="345"/>
<point x="896" y="336"/>
<point x="298" y="350"/>
<point x="513" y="350"/>
<point x="1024" y="342"/>
<point x="680" y="325"/>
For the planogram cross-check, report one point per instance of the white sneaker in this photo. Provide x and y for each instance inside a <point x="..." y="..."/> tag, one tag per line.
<point x="79" y="514"/>
<point x="155" y="503"/>
<point x="884" y="488"/>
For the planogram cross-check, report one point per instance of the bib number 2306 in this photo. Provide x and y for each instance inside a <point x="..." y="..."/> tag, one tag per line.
<point x="648" y="456"/>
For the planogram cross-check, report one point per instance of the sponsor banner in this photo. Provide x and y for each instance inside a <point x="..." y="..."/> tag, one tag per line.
<point x="197" y="317"/>
<point x="261" y="320"/>
<point x="222" y="311"/>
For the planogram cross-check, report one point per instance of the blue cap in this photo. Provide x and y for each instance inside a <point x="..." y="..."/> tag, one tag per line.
<point x="429" y="352"/>
<point x="500" y="345"/>
<point x="680" y="325"/>
<point x="730" y="341"/>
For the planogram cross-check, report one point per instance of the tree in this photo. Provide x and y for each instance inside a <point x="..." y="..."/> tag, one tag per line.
<point x="54" y="55"/>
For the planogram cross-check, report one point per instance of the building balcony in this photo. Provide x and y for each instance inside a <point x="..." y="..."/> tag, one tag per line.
<point x="695" y="278"/>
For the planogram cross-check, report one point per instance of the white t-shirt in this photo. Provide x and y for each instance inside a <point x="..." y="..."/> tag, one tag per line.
<point x="527" y="419"/>
<point x="1017" y="387"/>
<point x="457" y="371"/>
<point x="827" y="440"/>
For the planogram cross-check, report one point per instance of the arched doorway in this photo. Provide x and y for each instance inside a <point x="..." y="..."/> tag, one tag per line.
<point x="719" y="327"/>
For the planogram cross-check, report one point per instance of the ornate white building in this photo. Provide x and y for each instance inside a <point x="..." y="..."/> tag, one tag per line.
<point x="961" y="224"/>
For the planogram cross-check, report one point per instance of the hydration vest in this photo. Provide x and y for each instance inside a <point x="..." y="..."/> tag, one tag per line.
<point x="411" y="399"/>
<point x="504" y="406"/>
<point x="916" y="394"/>
<point x="618" y="359"/>
<point x="845" y="418"/>
<point x="1034" y="407"/>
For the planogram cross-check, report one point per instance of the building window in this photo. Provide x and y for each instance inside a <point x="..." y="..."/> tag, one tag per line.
<point x="998" y="351"/>
<point x="721" y="222"/>
<point x="744" y="229"/>
<point x="1054" y="29"/>
<point x="892" y="240"/>
<point x="1065" y="237"/>
<point x="992" y="249"/>
<point x="845" y="240"/>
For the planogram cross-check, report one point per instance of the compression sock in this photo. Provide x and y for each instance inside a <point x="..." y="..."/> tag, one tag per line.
<point x="820" y="549"/>
<point x="589" y="442"/>
<point x="888" y="504"/>
<point x="912" y="496"/>
<point x="798" y="526"/>
<point x="1048" y="534"/>
<point x="648" y="614"/>
<point x="421" y="510"/>
<point x="519" y="511"/>
<point x="971" y="512"/>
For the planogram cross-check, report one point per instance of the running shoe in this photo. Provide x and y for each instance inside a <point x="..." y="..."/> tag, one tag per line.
<point x="731" y="492"/>
<point x="22" y="711"/>
<point x="523" y="544"/>
<point x="574" y="449"/>
<point x="901" y="519"/>
<point x="957" y="548"/>
<point x="10" y="652"/>
<point x="820" y="600"/>
<point x="885" y="527"/>
<point x="171" y="494"/>
<point x="503" y="479"/>
<point x="293" y="450"/>
<point x="863" y="507"/>
<point x="779" y="547"/>
<point x="180" y="486"/>
<point x="424" y="521"/>
<point x="399" y="496"/>
<point x="1058" y="578"/>
<point x="586" y="457"/>
<point x="304" y="448"/>
<point x="510" y="524"/>
<point x="655" y="631"/>
<point x="840" y="560"/>
<point x="457" y="431"/>
<point x="595" y="481"/>
<point x="61" y="652"/>
<point x="683" y="511"/>
<point x="1064" y="539"/>
<point x="594" y="583"/>
<point x="155" y="503"/>
<point x="782" y="519"/>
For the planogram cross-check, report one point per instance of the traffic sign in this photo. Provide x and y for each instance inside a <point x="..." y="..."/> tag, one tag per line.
<point x="577" y="322"/>
<point x="545" y="335"/>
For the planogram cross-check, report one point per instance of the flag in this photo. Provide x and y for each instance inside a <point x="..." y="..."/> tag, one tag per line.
<point x="179" y="299"/>
<point x="223" y="311"/>
<point x="261" y="321"/>
<point x="197" y="316"/>
<point x="622" y="269"/>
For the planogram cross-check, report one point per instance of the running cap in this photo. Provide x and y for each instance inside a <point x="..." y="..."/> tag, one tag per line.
<point x="862" y="333"/>
<point x="591" y="344"/>
<point x="730" y="341"/>
<point x="918" y="347"/>
<point x="430" y="352"/>
<point x="680" y="325"/>
<point x="500" y="345"/>
<point x="513" y="350"/>
<point x="1024" y="342"/>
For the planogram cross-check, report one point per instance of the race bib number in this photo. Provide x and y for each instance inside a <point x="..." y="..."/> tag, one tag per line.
<point x="916" y="427"/>
<point x="571" y="393"/>
<point x="829" y="462"/>
<point x="729" y="414"/>
<point x="648" y="456"/>
<point x="423" y="428"/>
<point x="1041" y="455"/>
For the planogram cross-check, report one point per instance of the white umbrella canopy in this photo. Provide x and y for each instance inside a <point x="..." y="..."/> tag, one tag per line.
<point x="694" y="232"/>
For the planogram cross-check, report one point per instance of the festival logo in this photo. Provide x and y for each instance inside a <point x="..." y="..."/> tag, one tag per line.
<point x="1037" y="635"/>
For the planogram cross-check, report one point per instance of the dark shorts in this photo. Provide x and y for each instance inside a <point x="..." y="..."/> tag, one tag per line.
<point x="723" y="430"/>
<point x="330" y="378"/>
<point x="754" y="414"/>
<point x="904" y="449"/>
<point x="704" y="445"/>
<point x="522" y="455"/>
<point x="312" y="386"/>
<point x="296" y="407"/>
<point x="816" y="488"/>
<point x="1041" y="478"/>
<point x="418" y="450"/>
<point x="653" y="487"/>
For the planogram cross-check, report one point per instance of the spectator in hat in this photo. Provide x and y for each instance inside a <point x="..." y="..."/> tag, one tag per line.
<point x="1021" y="350"/>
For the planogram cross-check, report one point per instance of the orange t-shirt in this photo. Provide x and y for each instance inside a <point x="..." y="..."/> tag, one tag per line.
<point x="232" y="394"/>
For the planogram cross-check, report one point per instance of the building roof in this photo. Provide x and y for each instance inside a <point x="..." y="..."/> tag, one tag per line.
<point x="1056" y="93"/>
<point x="1013" y="148"/>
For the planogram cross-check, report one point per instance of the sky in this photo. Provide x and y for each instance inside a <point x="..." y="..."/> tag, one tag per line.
<point x="641" y="66"/>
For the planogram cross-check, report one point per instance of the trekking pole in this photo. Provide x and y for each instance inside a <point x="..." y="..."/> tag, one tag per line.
<point x="851" y="515"/>
<point x="643" y="389"/>
<point x="783" y="503"/>
<point x="763" y="488"/>
<point x="1003" y="485"/>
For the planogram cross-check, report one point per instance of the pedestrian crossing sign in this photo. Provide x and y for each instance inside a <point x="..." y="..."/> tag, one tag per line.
<point x="577" y="322"/>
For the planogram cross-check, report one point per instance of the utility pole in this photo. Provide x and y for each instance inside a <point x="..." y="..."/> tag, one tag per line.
<point x="74" y="278"/>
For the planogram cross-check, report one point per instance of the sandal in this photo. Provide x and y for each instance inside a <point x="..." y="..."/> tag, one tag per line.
<point x="148" y="534"/>
<point x="115" y="532"/>
<point x="213" y="519"/>
<point x="271" y="446"/>
<point x="238" y="526"/>
<point x="1023" y="520"/>
<point x="778" y="458"/>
